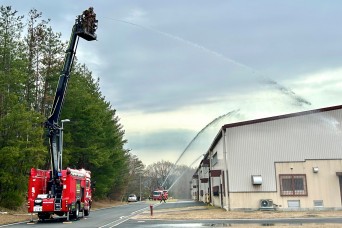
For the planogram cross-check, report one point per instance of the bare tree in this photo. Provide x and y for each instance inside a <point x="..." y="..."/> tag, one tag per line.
<point x="136" y="176"/>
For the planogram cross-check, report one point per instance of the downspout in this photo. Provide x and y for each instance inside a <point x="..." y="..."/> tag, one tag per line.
<point x="226" y="169"/>
<point x="209" y="177"/>
<point x="198" y="186"/>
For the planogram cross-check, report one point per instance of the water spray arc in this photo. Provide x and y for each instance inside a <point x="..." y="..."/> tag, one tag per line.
<point x="194" y="162"/>
<point x="299" y="101"/>
<point x="199" y="133"/>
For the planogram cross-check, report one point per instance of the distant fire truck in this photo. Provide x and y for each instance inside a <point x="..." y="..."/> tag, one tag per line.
<point x="57" y="191"/>
<point x="157" y="194"/>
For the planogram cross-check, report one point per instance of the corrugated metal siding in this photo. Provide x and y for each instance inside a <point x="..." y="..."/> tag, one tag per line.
<point x="253" y="149"/>
<point x="220" y="157"/>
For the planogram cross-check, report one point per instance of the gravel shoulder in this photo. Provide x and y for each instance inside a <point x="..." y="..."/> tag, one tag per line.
<point x="209" y="212"/>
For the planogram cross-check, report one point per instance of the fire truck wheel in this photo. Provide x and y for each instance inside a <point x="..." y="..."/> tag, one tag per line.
<point x="44" y="216"/>
<point x="86" y="212"/>
<point x="77" y="212"/>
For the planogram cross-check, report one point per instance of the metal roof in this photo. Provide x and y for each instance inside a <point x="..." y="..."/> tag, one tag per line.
<point x="237" y="124"/>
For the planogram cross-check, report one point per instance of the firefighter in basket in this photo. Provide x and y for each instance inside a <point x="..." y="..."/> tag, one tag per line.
<point x="89" y="20"/>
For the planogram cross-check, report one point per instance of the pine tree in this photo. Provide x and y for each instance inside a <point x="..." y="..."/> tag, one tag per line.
<point x="35" y="41"/>
<point x="10" y="31"/>
<point x="96" y="141"/>
<point x="52" y="60"/>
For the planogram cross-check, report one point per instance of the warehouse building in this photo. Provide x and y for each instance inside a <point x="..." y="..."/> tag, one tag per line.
<point x="287" y="162"/>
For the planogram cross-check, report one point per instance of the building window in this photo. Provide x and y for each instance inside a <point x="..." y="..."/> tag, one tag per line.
<point x="293" y="203"/>
<point x="216" y="190"/>
<point x="214" y="161"/>
<point x="318" y="203"/>
<point x="205" y="170"/>
<point x="204" y="180"/>
<point x="293" y="185"/>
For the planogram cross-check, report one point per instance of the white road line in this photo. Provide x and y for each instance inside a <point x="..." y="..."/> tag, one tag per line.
<point x="12" y="224"/>
<point x="125" y="218"/>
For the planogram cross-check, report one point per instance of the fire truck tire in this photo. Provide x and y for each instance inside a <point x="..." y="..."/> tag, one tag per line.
<point x="86" y="212"/>
<point x="75" y="214"/>
<point x="77" y="211"/>
<point x="44" y="216"/>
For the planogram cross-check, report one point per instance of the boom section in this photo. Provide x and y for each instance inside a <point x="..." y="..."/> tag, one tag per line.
<point x="85" y="27"/>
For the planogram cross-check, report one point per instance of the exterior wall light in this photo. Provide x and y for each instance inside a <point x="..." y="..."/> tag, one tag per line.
<point x="256" y="179"/>
<point x="315" y="169"/>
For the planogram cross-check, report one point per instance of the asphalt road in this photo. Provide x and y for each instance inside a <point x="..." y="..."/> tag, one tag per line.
<point x="120" y="216"/>
<point x="104" y="218"/>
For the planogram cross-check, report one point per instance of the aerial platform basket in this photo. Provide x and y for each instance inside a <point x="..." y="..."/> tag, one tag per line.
<point x="86" y="35"/>
<point x="86" y="25"/>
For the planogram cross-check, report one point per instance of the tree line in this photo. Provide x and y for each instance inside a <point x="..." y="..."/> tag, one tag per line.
<point x="31" y="59"/>
<point x="159" y="175"/>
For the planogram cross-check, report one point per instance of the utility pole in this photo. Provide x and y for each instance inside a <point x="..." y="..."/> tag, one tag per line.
<point x="140" y="187"/>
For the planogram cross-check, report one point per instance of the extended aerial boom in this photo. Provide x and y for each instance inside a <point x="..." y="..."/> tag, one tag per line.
<point x="85" y="27"/>
<point x="59" y="191"/>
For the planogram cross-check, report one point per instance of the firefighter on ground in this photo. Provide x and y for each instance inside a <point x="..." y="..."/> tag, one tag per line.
<point x="162" y="198"/>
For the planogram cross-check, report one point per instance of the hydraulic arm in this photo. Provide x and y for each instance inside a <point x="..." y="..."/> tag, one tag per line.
<point x="85" y="27"/>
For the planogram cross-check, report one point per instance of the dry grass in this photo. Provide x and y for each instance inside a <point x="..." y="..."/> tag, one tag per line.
<point x="105" y="203"/>
<point x="13" y="218"/>
<point x="208" y="212"/>
<point x="9" y="216"/>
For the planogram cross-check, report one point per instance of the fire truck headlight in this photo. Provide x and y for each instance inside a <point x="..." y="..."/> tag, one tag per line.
<point x="38" y="201"/>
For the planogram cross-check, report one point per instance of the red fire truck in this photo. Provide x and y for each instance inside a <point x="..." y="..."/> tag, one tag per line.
<point x="157" y="194"/>
<point x="63" y="191"/>
<point x="75" y="195"/>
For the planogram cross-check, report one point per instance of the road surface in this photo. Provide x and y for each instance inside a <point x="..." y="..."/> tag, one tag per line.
<point x="104" y="218"/>
<point x="121" y="216"/>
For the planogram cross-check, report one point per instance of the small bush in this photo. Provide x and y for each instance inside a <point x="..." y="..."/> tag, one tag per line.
<point x="11" y="200"/>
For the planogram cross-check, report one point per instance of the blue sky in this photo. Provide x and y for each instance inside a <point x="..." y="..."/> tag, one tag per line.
<point x="171" y="67"/>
